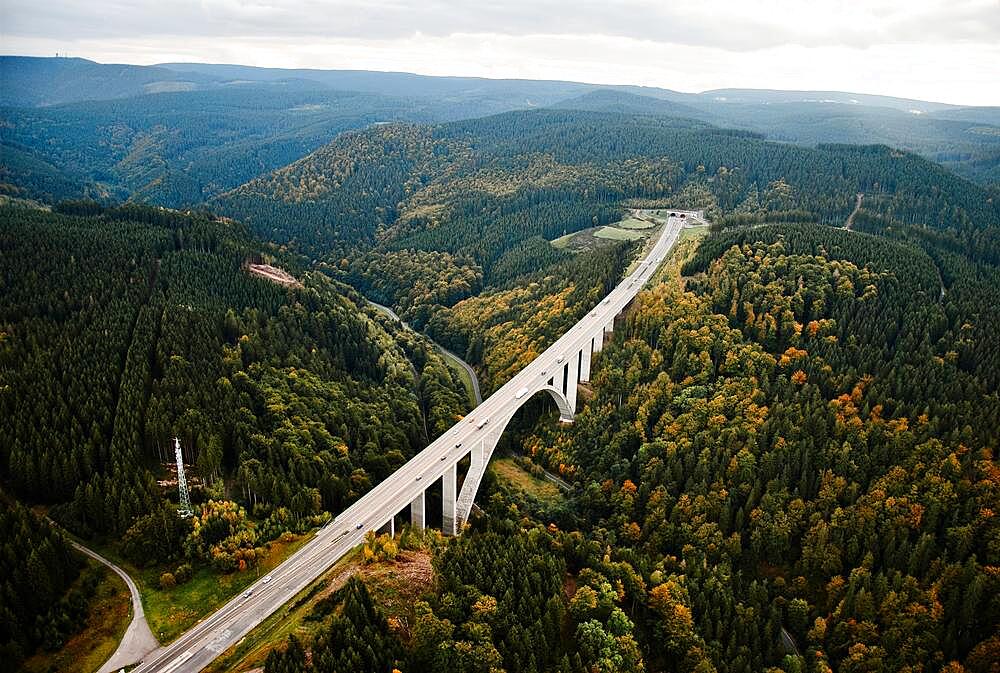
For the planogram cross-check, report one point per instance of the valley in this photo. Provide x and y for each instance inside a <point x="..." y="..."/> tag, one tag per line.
<point x="495" y="375"/>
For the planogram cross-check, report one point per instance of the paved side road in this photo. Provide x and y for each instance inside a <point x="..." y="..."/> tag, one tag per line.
<point x="138" y="640"/>
<point x="444" y="351"/>
<point x="464" y="365"/>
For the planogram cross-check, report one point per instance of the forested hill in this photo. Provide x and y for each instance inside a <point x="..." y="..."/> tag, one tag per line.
<point x="799" y="436"/>
<point x="481" y="186"/>
<point x="785" y="456"/>
<point x="610" y="100"/>
<point x="425" y="217"/>
<point x="180" y="148"/>
<point x="122" y="328"/>
<point x="160" y="125"/>
<point x="31" y="81"/>
<point x="965" y="140"/>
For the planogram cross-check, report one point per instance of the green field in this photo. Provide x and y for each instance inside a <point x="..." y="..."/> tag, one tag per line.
<point x="615" y="234"/>
<point x="630" y="229"/>
<point x="634" y="223"/>
<point x="689" y="233"/>
<point x="508" y="470"/>
<point x="563" y="241"/>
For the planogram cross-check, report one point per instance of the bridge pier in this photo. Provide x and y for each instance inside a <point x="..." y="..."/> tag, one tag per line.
<point x="585" y="354"/>
<point x="449" y="500"/>
<point x="418" y="514"/>
<point x="573" y="379"/>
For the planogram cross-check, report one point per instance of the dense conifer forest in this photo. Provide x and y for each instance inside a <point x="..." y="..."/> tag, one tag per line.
<point x="176" y="134"/>
<point x="179" y="148"/>
<point x="788" y="460"/>
<point x="517" y="161"/>
<point x="38" y="568"/>
<point x="122" y="328"/>
<point x="379" y="207"/>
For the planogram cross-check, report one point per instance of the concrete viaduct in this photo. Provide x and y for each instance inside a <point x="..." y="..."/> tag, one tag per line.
<point x="556" y="372"/>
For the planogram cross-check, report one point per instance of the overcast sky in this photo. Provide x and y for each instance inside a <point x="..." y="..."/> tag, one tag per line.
<point x="944" y="50"/>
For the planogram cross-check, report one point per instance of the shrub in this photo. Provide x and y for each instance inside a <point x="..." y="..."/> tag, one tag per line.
<point x="183" y="573"/>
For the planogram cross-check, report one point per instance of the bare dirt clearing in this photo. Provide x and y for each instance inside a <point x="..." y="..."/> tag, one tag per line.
<point x="273" y="274"/>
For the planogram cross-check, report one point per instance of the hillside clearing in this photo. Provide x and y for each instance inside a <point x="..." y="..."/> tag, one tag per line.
<point x="508" y="470"/>
<point x="615" y="234"/>
<point x="273" y="274"/>
<point x="634" y="223"/>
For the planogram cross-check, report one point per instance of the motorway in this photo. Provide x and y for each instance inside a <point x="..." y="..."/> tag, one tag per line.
<point x="218" y="632"/>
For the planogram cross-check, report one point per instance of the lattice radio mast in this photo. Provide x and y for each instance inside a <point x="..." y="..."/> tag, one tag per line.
<point x="185" y="509"/>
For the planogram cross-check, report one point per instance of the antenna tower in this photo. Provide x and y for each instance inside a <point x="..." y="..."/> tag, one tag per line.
<point x="185" y="498"/>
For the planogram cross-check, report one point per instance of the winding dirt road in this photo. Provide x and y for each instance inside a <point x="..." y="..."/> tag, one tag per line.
<point x="854" y="213"/>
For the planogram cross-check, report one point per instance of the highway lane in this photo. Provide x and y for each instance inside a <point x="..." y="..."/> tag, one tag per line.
<point x="206" y="640"/>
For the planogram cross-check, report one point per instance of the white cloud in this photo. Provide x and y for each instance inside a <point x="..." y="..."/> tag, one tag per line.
<point x="932" y="49"/>
<point x="728" y="24"/>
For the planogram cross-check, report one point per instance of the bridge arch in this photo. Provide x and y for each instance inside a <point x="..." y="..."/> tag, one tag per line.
<point x="562" y="402"/>
<point x="483" y="452"/>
